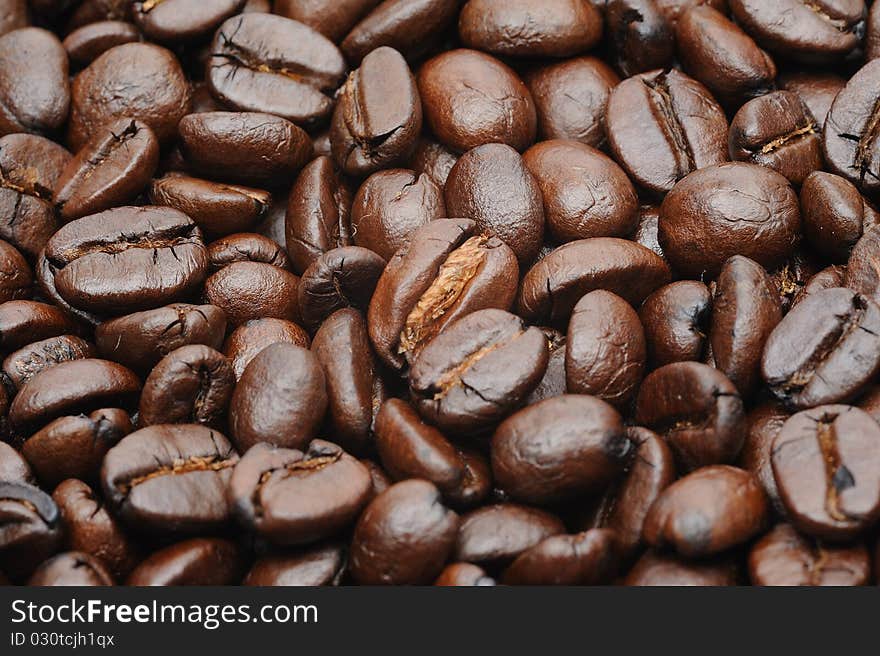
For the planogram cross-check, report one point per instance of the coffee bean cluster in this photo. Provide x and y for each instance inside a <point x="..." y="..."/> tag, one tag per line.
<point x="462" y="292"/>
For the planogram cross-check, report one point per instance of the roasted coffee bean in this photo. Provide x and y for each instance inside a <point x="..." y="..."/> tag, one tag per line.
<point x="139" y="80"/>
<point x="90" y="528"/>
<point x="246" y="147"/>
<point x="16" y="279"/>
<point x="390" y="206"/>
<point x="826" y="470"/>
<point x="835" y="214"/>
<point x="318" y="217"/>
<point x="73" y="447"/>
<point x="862" y="274"/>
<point x="15" y="16"/>
<point x="641" y="35"/>
<point x="34" y="89"/>
<point x="199" y="561"/>
<point x="332" y="18"/>
<point x="851" y="128"/>
<point x="23" y="322"/>
<point x="378" y="478"/>
<point x="217" y="208"/>
<point x="784" y="557"/>
<point x="87" y="43"/>
<point x="553" y="382"/>
<point x="404" y="536"/>
<point x="174" y="21"/>
<point x="497" y="534"/>
<point x="445" y="271"/>
<point x="111" y="169"/>
<point x="280" y="399"/>
<point x="141" y="339"/>
<point x="463" y="575"/>
<point x="340" y="278"/>
<point x="250" y="338"/>
<point x="717" y="52"/>
<point x="668" y="570"/>
<point x="492" y="185"/>
<point x="87" y="11"/>
<point x="410" y="448"/>
<point x="525" y="28"/>
<point x="432" y="159"/>
<point x="697" y="410"/>
<point x="570" y="98"/>
<point x="552" y="287"/>
<point x="676" y="320"/>
<point x="170" y="478"/>
<point x="30" y="529"/>
<point x="745" y="310"/>
<point x="409" y="26"/>
<point x="646" y="232"/>
<point x="779" y="132"/>
<point x="625" y="505"/>
<point x="13" y="467"/>
<point x="246" y="247"/>
<point x="253" y="290"/>
<point x="588" y="558"/>
<point x="317" y="566"/>
<point x="585" y="193"/>
<point x="764" y="423"/>
<point x="127" y="259"/>
<point x="825" y="350"/>
<point x="816" y="89"/>
<point x="191" y="385"/>
<point x="806" y="32"/>
<point x="470" y="99"/>
<point x="827" y="278"/>
<point x="71" y="568"/>
<point x="725" y="210"/>
<point x="605" y="350"/>
<point x="274" y="65"/>
<point x="378" y="116"/>
<point x="559" y="448"/>
<point x="290" y="497"/>
<point x="477" y="370"/>
<point x="708" y="511"/>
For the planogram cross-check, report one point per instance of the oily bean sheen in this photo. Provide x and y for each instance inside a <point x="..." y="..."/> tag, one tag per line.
<point x="725" y="210"/>
<point x="470" y="99"/>
<point x="588" y="558"/>
<point x="826" y="467"/>
<point x="667" y="570"/>
<point x="558" y="448"/>
<point x="111" y="169"/>
<point x="16" y="278"/>
<point x="378" y="116"/>
<point x="764" y="423"/>
<point x="817" y="89"/>
<point x="23" y="364"/>
<point x="323" y="565"/>
<point x="642" y="36"/>
<point x="554" y="28"/>
<point x="497" y="534"/>
<point x="653" y="133"/>
<point x="271" y="64"/>
<point x="170" y="478"/>
<point x="697" y="410"/>
<point x="432" y="158"/>
<point x="280" y="399"/>
<point x="246" y="247"/>
<point x="250" y="338"/>
<point x="825" y="350"/>
<point x="332" y="18"/>
<point x="253" y="290"/>
<point x="707" y="512"/>
<point x="181" y="20"/>
<point x="30" y="528"/>
<point x="127" y="259"/>
<point x="22" y="322"/>
<point x="87" y="43"/>
<point x="446" y="270"/>
<point x="199" y="561"/>
<point x="605" y="351"/>
<point x="13" y="467"/>
<point x="862" y="274"/>
<point x="553" y="381"/>
<point x="675" y="319"/>
<point x="71" y="569"/>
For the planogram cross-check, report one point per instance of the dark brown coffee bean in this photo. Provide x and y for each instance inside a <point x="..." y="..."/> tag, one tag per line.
<point x="73" y="447"/>
<point x="217" y="208"/>
<point x="707" y="512"/>
<point x="30" y="529"/>
<point x="745" y="310"/>
<point x="22" y="322"/>
<point x="862" y="274"/>
<point x="777" y="131"/>
<point x="250" y="338"/>
<point x="588" y="558"/>
<point x="378" y="477"/>
<point x="559" y="448"/>
<point x="87" y="43"/>
<point x="817" y="89"/>
<point x="280" y="399"/>
<point x="553" y="382"/>
<point x="139" y="80"/>
<point x="825" y="350"/>
<point x="253" y="290"/>
<point x="446" y="270"/>
<point x="90" y="528"/>
<point x="71" y="568"/>
<point x="646" y="231"/>
<point x="835" y="214"/>
<point x="246" y="247"/>
<point x="499" y="533"/>
<point x="827" y="278"/>
<point x="784" y="557"/>
<point x="570" y="98"/>
<point x="13" y="467"/>
<point x="471" y="99"/>
<point x="378" y="116"/>
<point x="764" y="423"/>
<point x="332" y="18"/>
<point x="552" y="287"/>
<point x="463" y="575"/>
<point x="324" y="565"/>
<point x="725" y="210"/>
<point x="668" y="570"/>
<point x="174" y="21"/>
<point x="432" y="159"/>
<point x="676" y="319"/>
<point x="274" y="65"/>
<point x="141" y="339"/>
<point x="642" y="36"/>
<point x="16" y="279"/>
<point x="826" y="470"/>
<point x="200" y="561"/>
<point x="403" y="537"/>
<point x="392" y="204"/>
<point x="697" y="410"/>
<point x="170" y="478"/>
<point x="15" y="16"/>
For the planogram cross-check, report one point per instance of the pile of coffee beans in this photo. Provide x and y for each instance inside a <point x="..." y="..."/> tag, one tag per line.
<point x="454" y="292"/>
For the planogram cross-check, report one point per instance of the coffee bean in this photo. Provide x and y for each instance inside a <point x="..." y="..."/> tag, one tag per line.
<point x="463" y="574"/>
<point x="246" y="247"/>
<point x="816" y="89"/>
<point x="174" y="21"/>
<point x="553" y="382"/>
<point x="16" y="279"/>
<point x="15" y="16"/>
<point x="199" y="561"/>
<point x="642" y="36"/>
<point x="497" y="534"/>
<point x="861" y="269"/>
<point x="253" y="290"/>
<point x="332" y="18"/>
<point x="324" y="565"/>
<point x="827" y="278"/>
<point x="87" y="43"/>
<point x="646" y="232"/>
<point x="71" y="568"/>
<point x="676" y="319"/>
<point x="13" y="467"/>
<point x="826" y="467"/>
<point x="432" y="159"/>
<point x="872" y="46"/>
<point x="588" y="558"/>
<point x="88" y="11"/>
<point x="30" y="530"/>
<point x="250" y="338"/>
<point x="667" y="570"/>
<point x="22" y="322"/>
<point x="764" y="423"/>
<point x="835" y="214"/>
